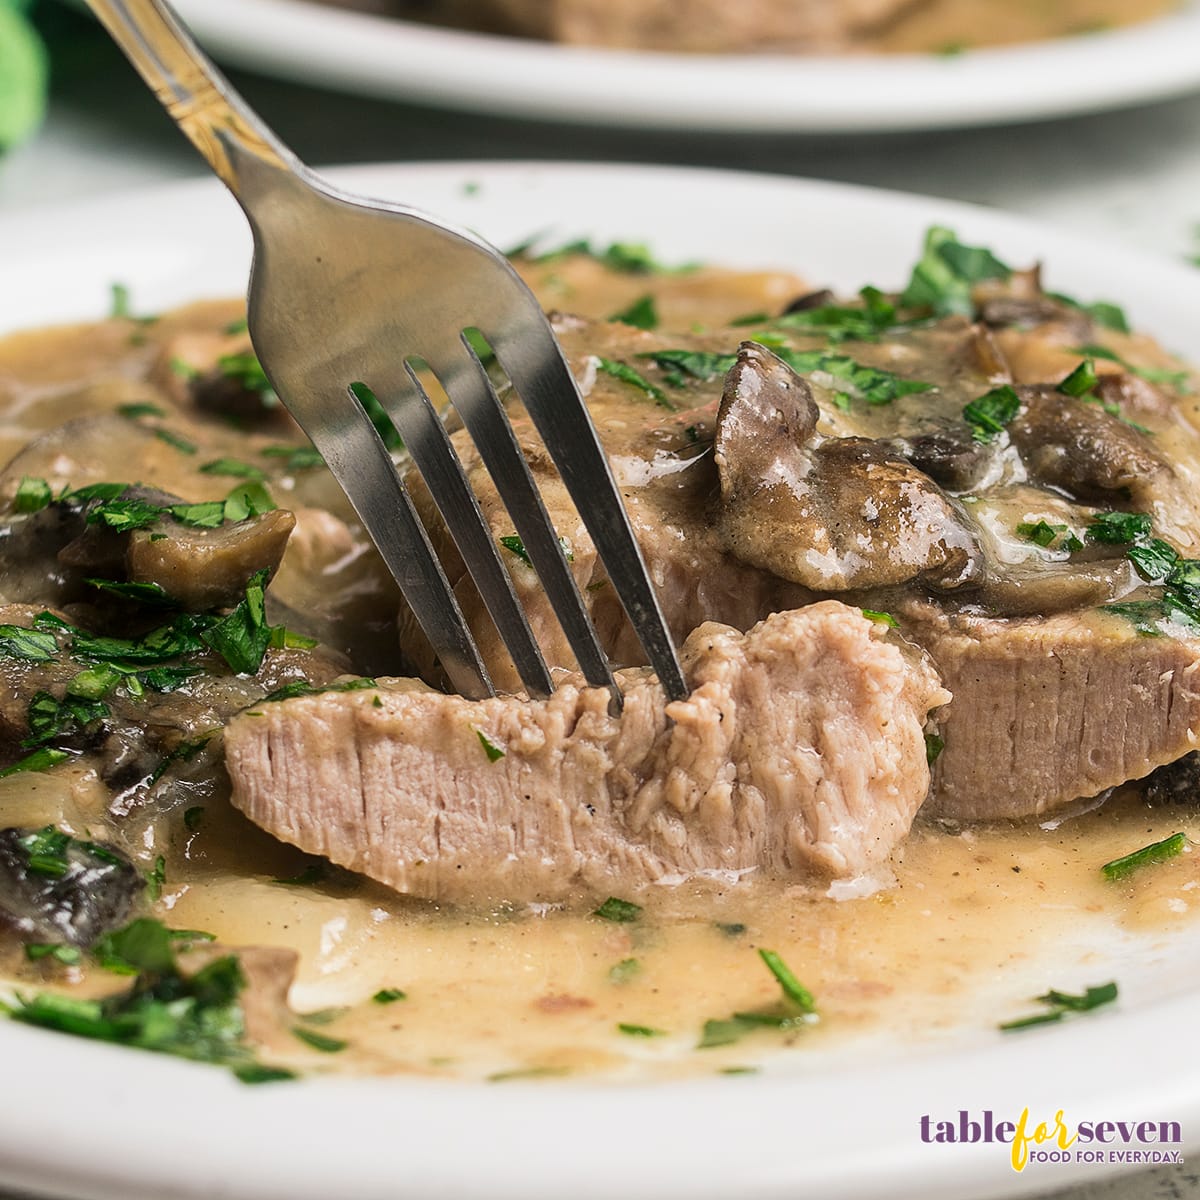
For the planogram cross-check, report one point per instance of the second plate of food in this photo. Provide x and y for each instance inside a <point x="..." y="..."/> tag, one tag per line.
<point x="1097" y="65"/>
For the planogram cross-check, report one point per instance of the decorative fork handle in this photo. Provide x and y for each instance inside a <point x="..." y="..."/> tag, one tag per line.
<point x="198" y="97"/>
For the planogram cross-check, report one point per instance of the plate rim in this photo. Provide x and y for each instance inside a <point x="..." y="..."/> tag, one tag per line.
<point x="1079" y="1060"/>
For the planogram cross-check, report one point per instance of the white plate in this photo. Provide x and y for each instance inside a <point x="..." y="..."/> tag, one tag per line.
<point x="401" y="60"/>
<point x="88" y="1120"/>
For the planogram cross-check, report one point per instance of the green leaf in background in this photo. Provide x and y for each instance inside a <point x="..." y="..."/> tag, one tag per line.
<point x="23" y="74"/>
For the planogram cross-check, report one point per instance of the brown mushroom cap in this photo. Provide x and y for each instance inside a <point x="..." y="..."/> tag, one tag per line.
<point x="831" y="514"/>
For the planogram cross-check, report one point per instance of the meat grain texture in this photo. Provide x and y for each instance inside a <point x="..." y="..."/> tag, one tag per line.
<point x="800" y="750"/>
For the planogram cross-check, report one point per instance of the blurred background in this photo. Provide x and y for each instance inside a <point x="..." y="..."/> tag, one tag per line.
<point x="1132" y="173"/>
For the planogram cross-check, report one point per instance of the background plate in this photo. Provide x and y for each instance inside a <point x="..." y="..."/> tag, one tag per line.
<point x="763" y="93"/>
<point x="88" y="1120"/>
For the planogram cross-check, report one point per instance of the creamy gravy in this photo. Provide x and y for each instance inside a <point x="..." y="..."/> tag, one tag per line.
<point x="975" y="923"/>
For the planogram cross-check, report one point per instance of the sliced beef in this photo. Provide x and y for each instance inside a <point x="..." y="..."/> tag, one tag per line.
<point x="1048" y="710"/>
<point x="799" y="752"/>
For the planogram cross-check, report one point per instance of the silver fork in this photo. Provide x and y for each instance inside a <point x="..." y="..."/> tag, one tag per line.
<point x="348" y="291"/>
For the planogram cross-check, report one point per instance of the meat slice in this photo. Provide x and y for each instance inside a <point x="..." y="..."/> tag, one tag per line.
<point x="1049" y="710"/>
<point x="799" y="751"/>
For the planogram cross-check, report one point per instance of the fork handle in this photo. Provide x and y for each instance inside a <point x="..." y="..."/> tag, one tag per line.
<point x="198" y="97"/>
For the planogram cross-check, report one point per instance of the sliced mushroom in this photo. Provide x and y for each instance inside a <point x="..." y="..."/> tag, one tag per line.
<point x="1176" y="783"/>
<point x="1082" y="449"/>
<point x="73" y="897"/>
<point x="950" y="457"/>
<point x="830" y="514"/>
<point x="208" y="568"/>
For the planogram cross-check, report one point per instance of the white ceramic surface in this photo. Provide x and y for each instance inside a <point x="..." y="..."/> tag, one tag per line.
<point x="402" y="60"/>
<point x="90" y="1121"/>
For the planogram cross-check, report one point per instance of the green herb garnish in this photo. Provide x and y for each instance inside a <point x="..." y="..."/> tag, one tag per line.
<point x="626" y="373"/>
<point x="1175" y="379"/>
<point x="1061" y="1003"/>
<point x="620" y="911"/>
<point x="641" y="314"/>
<point x="389" y="996"/>
<point x="319" y="1041"/>
<point x="943" y="278"/>
<point x="491" y="749"/>
<point x="624" y="971"/>
<point x="646" y="1031"/>
<point x="934" y="745"/>
<point x="1119" y="528"/>
<point x="40" y="760"/>
<point x="32" y="495"/>
<point x="990" y="413"/>
<point x="1156" y="852"/>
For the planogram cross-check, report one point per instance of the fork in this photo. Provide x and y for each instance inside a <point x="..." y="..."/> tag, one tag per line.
<point x="352" y="297"/>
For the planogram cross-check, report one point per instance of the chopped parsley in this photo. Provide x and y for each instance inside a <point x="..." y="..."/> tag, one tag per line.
<point x="1154" y="560"/>
<point x="156" y="877"/>
<point x="32" y="495"/>
<point x="988" y="414"/>
<point x="142" y="592"/>
<point x="301" y="687"/>
<point x="1175" y="379"/>
<point x="319" y="1041"/>
<point x="243" y="637"/>
<point x="797" y="1009"/>
<point x="491" y="749"/>
<point x="32" y="645"/>
<point x="620" y="911"/>
<point x="232" y="467"/>
<point x="195" y="1016"/>
<point x="50" y="719"/>
<point x="645" y="1031"/>
<point x="245" y="370"/>
<point x="1081" y="381"/>
<point x="389" y="996"/>
<point x="67" y="955"/>
<point x="1119" y="528"/>
<point x="1059" y="1004"/>
<point x="133" y="412"/>
<point x="119" y="304"/>
<point x="837" y="322"/>
<point x="881" y="618"/>
<point x="641" y="314"/>
<point x="516" y="546"/>
<point x="627" y="258"/>
<point x="624" y="971"/>
<point x="176" y="440"/>
<point x="947" y="270"/>
<point x="297" y="458"/>
<point x="626" y="374"/>
<point x="934" y="745"/>
<point x="1043" y="533"/>
<point x="871" y="384"/>
<point x="1156" y="852"/>
<point x="1111" y="316"/>
<point x="40" y="760"/>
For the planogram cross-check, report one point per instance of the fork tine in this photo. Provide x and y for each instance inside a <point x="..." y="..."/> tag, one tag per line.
<point x="474" y="398"/>
<point x="359" y="461"/>
<point x="408" y="405"/>
<point x="539" y="372"/>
